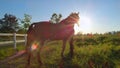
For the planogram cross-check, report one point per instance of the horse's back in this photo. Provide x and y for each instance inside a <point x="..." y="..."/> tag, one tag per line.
<point x="42" y="29"/>
<point x="47" y="30"/>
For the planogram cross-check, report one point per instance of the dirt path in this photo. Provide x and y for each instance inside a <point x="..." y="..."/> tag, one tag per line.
<point x="14" y="61"/>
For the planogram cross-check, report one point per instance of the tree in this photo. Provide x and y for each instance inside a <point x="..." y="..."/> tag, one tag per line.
<point x="9" y="24"/>
<point x="55" y="18"/>
<point x="26" y="22"/>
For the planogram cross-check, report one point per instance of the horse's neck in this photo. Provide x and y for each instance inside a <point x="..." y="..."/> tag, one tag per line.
<point x="67" y="21"/>
<point x="64" y="21"/>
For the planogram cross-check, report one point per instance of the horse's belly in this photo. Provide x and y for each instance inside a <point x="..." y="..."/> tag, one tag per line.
<point x="55" y="34"/>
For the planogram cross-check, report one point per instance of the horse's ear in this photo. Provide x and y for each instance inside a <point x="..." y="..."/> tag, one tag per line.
<point x="72" y="12"/>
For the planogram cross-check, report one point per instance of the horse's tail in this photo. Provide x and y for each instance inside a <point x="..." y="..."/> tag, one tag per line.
<point x="31" y="28"/>
<point x="30" y="35"/>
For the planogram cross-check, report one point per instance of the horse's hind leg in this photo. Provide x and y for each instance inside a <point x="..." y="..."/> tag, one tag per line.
<point x="28" y="56"/>
<point x="38" y="52"/>
<point x="28" y="50"/>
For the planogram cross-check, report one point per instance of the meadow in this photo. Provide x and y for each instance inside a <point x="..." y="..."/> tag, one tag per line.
<point x="90" y="51"/>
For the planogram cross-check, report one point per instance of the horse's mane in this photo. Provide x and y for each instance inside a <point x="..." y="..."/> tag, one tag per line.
<point x="71" y="19"/>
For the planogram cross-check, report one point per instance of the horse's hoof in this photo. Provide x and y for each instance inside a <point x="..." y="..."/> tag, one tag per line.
<point x="27" y="66"/>
<point x="40" y="63"/>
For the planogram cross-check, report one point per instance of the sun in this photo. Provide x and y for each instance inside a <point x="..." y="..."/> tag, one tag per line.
<point x="85" y="25"/>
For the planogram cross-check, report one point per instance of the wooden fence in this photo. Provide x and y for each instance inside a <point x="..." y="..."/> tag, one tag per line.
<point x="14" y="41"/>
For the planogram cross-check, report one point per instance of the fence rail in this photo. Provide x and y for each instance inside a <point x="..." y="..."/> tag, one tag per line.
<point x="11" y="42"/>
<point x="11" y="34"/>
<point x="14" y="41"/>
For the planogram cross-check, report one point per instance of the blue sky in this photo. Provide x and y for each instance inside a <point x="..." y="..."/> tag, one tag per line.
<point x="96" y="15"/>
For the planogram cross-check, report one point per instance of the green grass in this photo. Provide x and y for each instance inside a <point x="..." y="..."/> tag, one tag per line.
<point x="96" y="56"/>
<point x="6" y="51"/>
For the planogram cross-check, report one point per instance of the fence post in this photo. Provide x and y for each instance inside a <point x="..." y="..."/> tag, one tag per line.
<point x="14" y="40"/>
<point x="25" y="39"/>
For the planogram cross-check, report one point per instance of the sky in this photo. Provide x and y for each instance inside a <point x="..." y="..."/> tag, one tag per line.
<point x="96" y="16"/>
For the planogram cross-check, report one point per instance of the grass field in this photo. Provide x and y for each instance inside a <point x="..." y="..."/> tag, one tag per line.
<point x="103" y="55"/>
<point x="6" y="51"/>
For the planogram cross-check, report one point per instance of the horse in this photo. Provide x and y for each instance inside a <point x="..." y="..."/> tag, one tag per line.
<point x="44" y="30"/>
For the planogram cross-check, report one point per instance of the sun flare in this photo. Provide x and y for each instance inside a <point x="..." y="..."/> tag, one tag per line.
<point x="34" y="46"/>
<point x="85" y="25"/>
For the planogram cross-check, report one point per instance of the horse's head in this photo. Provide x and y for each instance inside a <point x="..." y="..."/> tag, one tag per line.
<point x="72" y="18"/>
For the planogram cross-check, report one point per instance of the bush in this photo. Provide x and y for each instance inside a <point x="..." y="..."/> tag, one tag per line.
<point x="100" y="56"/>
<point x="99" y="39"/>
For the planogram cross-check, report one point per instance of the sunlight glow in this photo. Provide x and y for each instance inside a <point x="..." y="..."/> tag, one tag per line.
<point x="34" y="46"/>
<point x="85" y="25"/>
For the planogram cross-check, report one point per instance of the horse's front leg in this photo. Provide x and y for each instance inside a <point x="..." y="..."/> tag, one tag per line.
<point x="63" y="48"/>
<point x="71" y="47"/>
<point x="38" y="52"/>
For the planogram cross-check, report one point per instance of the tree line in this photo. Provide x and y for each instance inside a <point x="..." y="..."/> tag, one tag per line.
<point x="10" y="23"/>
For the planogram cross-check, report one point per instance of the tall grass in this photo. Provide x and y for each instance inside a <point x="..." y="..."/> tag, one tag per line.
<point x="97" y="56"/>
<point x="86" y="56"/>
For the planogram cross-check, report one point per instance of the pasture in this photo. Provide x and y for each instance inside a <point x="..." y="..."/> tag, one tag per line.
<point x="60" y="34"/>
<point x="99" y="53"/>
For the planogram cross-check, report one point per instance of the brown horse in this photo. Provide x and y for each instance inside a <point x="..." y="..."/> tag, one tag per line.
<point x="42" y="31"/>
